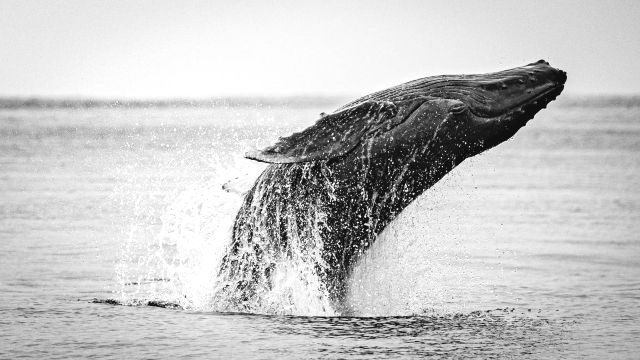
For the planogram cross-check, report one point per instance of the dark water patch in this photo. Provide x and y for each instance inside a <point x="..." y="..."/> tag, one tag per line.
<point x="146" y="281"/>
<point x="152" y="303"/>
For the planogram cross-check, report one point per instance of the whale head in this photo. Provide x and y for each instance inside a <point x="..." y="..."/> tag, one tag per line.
<point x="490" y="108"/>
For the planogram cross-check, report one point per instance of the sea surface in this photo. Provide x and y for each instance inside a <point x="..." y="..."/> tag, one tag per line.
<point x="113" y="218"/>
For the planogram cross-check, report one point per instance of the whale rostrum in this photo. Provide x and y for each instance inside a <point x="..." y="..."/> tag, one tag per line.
<point x="332" y="188"/>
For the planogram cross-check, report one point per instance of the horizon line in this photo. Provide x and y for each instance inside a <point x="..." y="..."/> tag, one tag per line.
<point x="302" y="100"/>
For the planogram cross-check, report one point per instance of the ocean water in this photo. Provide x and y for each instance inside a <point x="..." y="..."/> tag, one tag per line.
<point x="113" y="219"/>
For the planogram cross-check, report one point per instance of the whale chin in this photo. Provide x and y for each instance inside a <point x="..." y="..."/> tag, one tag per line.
<point x="529" y="109"/>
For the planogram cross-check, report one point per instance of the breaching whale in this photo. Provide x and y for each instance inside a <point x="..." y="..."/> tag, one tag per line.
<point x="332" y="188"/>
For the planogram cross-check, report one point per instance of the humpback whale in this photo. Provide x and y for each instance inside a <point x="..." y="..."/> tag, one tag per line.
<point x="332" y="188"/>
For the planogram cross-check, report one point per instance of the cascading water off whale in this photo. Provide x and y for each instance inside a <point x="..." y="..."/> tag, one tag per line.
<point x="332" y="188"/>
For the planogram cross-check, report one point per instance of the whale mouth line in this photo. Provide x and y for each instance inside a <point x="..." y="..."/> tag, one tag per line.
<point x="543" y="95"/>
<point x="546" y="96"/>
<point x="539" y="101"/>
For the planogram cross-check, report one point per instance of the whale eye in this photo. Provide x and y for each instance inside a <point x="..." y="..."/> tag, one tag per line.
<point x="458" y="108"/>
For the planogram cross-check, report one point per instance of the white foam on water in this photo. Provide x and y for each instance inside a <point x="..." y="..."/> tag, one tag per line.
<point x="296" y="290"/>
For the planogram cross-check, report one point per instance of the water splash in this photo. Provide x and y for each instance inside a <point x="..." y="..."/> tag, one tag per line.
<point x="183" y="249"/>
<point x="178" y="256"/>
<point x="427" y="260"/>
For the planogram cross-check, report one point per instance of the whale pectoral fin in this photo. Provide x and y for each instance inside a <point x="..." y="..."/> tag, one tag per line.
<point x="331" y="136"/>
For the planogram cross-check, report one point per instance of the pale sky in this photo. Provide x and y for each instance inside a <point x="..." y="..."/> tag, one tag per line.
<point x="159" y="49"/>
